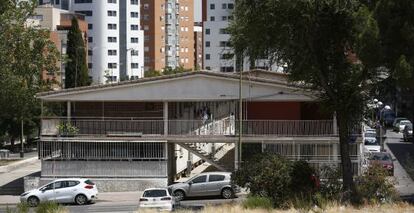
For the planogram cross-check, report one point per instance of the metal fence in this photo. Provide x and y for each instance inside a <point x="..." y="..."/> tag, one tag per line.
<point x="224" y="126"/>
<point x="78" y="150"/>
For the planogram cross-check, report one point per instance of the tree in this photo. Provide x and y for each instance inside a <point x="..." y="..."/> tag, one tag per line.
<point x="76" y="71"/>
<point x="25" y="53"/>
<point x="396" y="26"/>
<point x="330" y="47"/>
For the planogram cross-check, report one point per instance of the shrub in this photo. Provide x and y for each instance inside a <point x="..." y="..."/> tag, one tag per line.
<point x="302" y="182"/>
<point x="50" y="207"/>
<point x="20" y="208"/>
<point x="331" y="186"/>
<point x="254" y="202"/>
<point x="266" y="175"/>
<point x="374" y="186"/>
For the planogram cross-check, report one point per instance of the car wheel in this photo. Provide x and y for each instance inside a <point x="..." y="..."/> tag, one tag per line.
<point x="227" y="193"/>
<point x="179" y="194"/>
<point x="81" y="199"/>
<point x="33" y="201"/>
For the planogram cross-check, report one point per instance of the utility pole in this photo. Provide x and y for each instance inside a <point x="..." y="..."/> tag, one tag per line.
<point x="240" y="114"/>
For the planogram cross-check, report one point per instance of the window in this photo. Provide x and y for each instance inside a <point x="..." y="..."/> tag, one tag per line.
<point x="134" y="40"/>
<point x="199" y="179"/>
<point x="223" y="31"/>
<point x="111" y="52"/>
<point x="225" y="44"/>
<point x="214" y="178"/>
<point x="134" y="27"/>
<point x="111" y="65"/>
<point x="90" y="39"/>
<point x="208" y="68"/>
<point x="224" y="6"/>
<point x="111" y="26"/>
<point x="90" y="65"/>
<point x="112" y="1"/>
<point x="146" y="6"/>
<point x="90" y="26"/>
<point x="85" y="12"/>
<point x="207" y="56"/>
<point x="134" y="2"/>
<point x="207" y="44"/>
<point x="111" y="13"/>
<point x="212" y="6"/>
<point x="226" y="69"/>
<point x="230" y="6"/>
<point x="134" y="52"/>
<point x="72" y="183"/>
<point x="207" y="31"/>
<point x="224" y="18"/>
<point x="226" y="56"/>
<point x="134" y="15"/>
<point x="82" y="1"/>
<point x="145" y="17"/>
<point x="112" y="39"/>
<point x="212" y="18"/>
<point x="134" y="65"/>
<point x="90" y="52"/>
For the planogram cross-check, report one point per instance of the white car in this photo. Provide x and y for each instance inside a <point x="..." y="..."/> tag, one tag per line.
<point x="159" y="198"/>
<point x="371" y="143"/>
<point x="402" y="124"/>
<point x="73" y="190"/>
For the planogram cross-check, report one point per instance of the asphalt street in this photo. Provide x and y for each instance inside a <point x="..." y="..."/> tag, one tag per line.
<point x="130" y="206"/>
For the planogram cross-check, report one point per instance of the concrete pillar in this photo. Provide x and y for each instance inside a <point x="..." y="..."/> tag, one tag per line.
<point x="236" y="156"/>
<point x="68" y="107"/>
<point x="335" y="151"/>
<point x="335" y="124"/>
<point x="172" y="163"/>
<point x="165" y="114"/>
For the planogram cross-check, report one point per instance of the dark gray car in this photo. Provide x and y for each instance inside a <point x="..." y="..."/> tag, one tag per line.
<point x="206" y="184"/>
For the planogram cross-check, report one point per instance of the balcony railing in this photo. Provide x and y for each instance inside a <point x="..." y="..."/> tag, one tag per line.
<point x="226" y="126"/>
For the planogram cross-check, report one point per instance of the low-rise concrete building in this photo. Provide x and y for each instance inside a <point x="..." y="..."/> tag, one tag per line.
<point x="141" y="133"/>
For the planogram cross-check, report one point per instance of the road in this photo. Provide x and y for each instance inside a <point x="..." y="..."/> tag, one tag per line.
<point x="131" y="206"/>
<point x="404" y="153"/>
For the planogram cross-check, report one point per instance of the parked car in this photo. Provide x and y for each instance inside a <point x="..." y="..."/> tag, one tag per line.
<point x="159" y="198"/>
<point x="206" y="184"/>
<point x="384" y="159"/>
<point x="408" y="132"/>
<point x="73" y="190"/>
<point x="402" y="124"/>
<point x="395" y="124"/>
<point x="371" y="143"/>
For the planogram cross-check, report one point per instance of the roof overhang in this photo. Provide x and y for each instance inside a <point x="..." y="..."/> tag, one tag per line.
<point x="192" y="86"/>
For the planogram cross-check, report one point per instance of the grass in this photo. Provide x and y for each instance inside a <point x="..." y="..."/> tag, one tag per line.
<point x="45" y="207"/>
<point x="400" y="207"/>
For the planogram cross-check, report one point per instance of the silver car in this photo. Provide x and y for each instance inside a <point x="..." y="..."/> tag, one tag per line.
<point x="206" y="184"/>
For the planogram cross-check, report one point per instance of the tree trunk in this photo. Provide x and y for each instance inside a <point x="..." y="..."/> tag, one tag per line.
<point x="12" y="139"/>
<point x="347" y="174"/>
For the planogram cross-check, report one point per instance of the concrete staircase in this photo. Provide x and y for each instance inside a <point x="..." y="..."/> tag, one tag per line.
<point x="212" y="159"/>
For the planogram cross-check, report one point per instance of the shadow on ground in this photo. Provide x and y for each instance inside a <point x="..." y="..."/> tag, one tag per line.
<point x="404" y="152"/>
<point x="16" y="187"/>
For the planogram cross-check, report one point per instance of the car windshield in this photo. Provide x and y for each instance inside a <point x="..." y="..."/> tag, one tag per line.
<point x="155" y="193"/>
<point x="371" y="142"/>
<point x="370" y="135"/>
<point x="404" y="122"/>
<point x="89" y="182"/>
<point x="380" y="157"/>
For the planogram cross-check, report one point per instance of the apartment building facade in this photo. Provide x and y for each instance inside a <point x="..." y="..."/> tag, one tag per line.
<point x="115" y="37"/>
<point x="168" y="33"/>
<point x="58" y="22"/>
<point x="198" y="45"/>
<point x="218" y="53"/>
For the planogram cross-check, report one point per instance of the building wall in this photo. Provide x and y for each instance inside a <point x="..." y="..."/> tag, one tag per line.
<point x="168" y="32"/>
<point x="198" y="46"/>
<point x="273" y="110"/>
<point x="186" y="39"/>
<point x="112" y="67"/>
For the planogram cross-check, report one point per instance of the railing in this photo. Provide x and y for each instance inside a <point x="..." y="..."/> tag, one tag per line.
<point x="226" y="126"/>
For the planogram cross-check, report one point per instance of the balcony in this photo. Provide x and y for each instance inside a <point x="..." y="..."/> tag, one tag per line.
<point x="223" y="127"/>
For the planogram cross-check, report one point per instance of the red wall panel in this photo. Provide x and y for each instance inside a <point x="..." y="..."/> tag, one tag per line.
<point x="274" y="110"/>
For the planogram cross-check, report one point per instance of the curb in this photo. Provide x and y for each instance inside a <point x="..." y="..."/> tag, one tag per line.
<point x="13" y="166"/>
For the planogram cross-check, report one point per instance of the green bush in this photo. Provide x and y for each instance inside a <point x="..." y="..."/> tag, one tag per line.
<point x="266" y="175"/>
<point x="374" y="186"/>
<point x="20" y="208"/>
<point x="50" y="207"/>
<point x="331" y="186"/>
<point x="255" y="202"/>
<point x="301" y="182"/>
